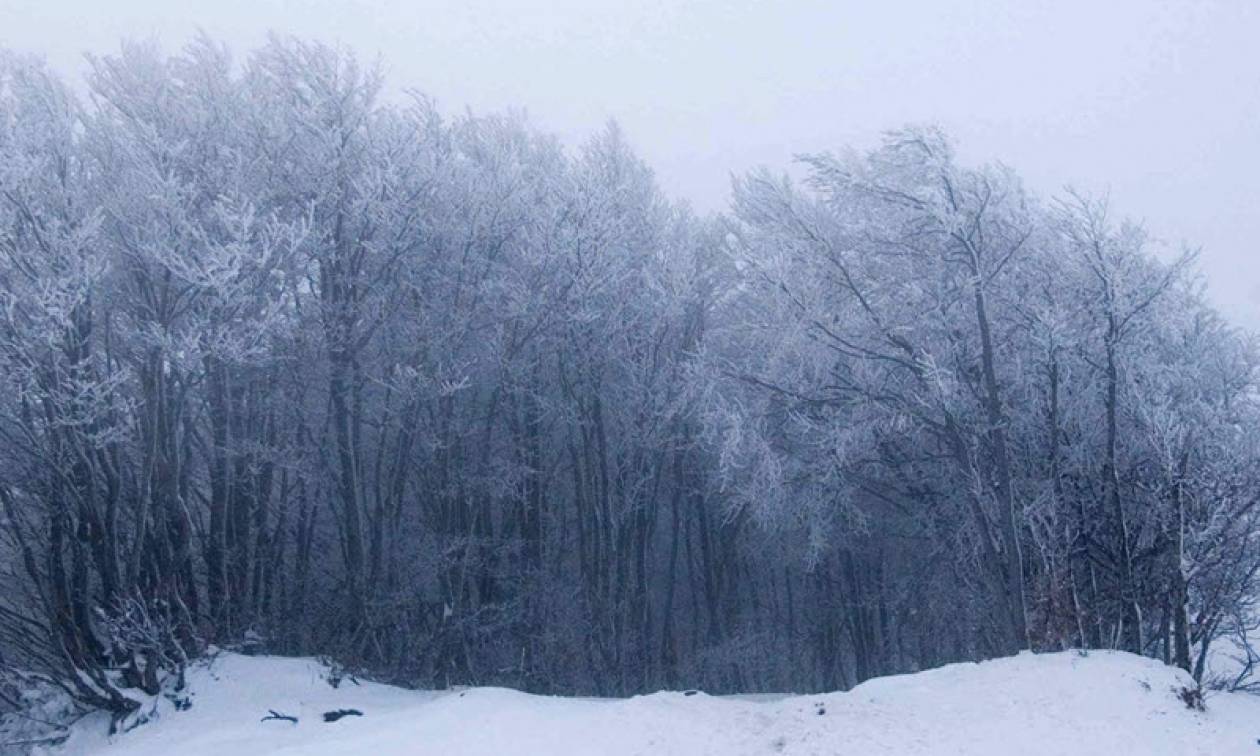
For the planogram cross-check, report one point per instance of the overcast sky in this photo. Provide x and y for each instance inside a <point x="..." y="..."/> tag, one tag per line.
<point x="1156" y="102"/>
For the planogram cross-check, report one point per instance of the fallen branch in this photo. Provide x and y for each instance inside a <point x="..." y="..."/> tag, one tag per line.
<point x="273" y="714"/>
<point x="333" y="716"/>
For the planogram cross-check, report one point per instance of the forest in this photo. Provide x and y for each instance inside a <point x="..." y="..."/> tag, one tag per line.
<point x="293" y="362"/>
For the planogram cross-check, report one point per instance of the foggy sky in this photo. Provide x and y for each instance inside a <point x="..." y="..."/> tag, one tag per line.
<point x="1156" y="102"/>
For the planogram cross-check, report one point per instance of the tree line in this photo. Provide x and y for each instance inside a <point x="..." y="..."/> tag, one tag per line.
<point x="293" y="363"/>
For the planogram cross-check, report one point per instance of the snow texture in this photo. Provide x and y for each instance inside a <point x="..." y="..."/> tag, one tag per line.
<point x="1066" y="703"/>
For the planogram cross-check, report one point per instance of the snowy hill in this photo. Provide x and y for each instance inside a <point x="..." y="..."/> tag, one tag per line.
<point x="1104" y="703"/>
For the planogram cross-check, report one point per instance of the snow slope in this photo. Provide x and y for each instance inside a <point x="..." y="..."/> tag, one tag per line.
<point x="1105" y="703"/>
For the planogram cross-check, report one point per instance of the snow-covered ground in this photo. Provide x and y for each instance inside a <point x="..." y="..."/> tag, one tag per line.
<point x="1104" y="703"/>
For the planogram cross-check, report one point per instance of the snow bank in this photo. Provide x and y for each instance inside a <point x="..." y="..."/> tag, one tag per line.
<point x="1104" y="703"/>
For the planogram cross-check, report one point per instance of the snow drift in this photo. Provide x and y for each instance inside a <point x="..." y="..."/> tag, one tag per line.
<point x="1067" y="703"/>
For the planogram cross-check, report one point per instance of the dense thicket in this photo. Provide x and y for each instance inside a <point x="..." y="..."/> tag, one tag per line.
<point x="287" y="364"/>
